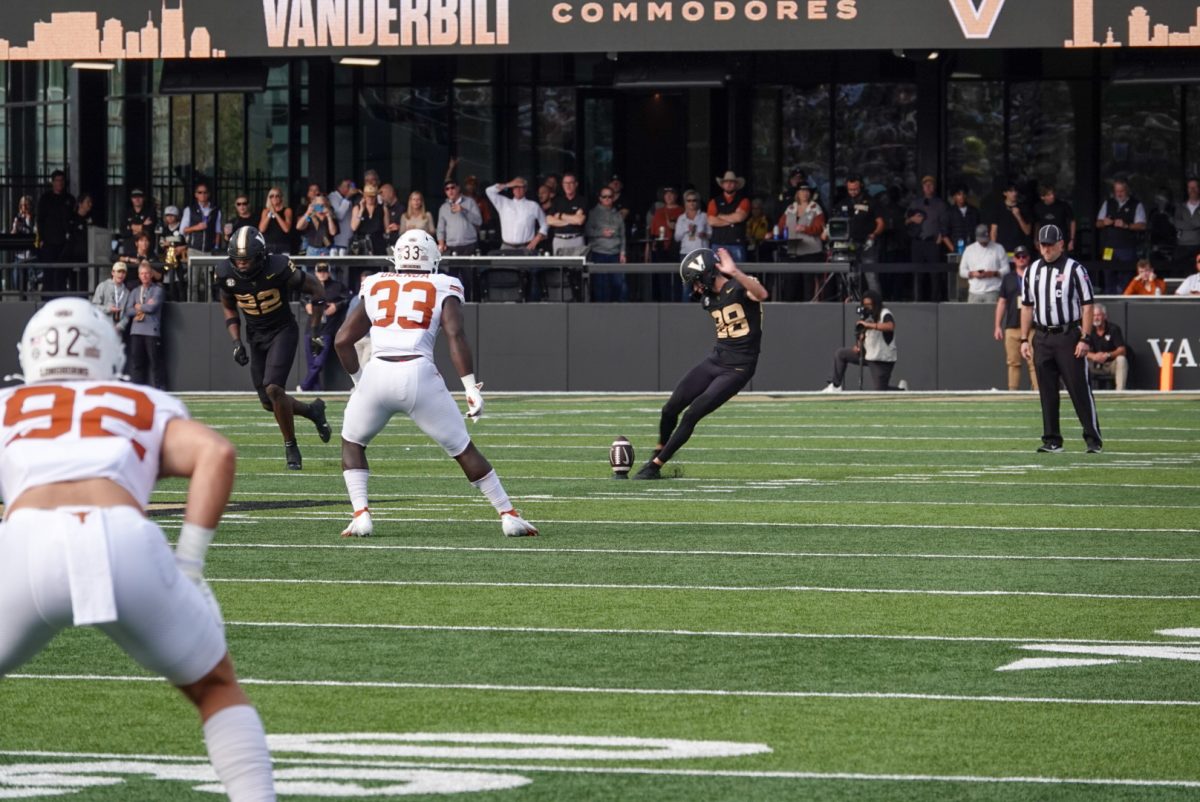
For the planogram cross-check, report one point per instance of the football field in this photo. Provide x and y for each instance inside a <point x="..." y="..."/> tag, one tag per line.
<point x="838" y="598"/>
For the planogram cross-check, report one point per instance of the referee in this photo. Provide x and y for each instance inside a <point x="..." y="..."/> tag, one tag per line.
<point x="1057" y="301"/>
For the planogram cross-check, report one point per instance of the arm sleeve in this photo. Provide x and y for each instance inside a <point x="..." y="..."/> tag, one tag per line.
<point x="1027" y="287"/>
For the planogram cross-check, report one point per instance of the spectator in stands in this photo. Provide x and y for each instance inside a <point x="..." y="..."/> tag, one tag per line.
<point x="692" y="230"/>
<point x="138" y="218"/>
<point x="866" y="224"/>
<point x="143" y="314"/>
<point x="77" y="232"/>
<point x="662" y="246"/>
<point x="963" y="219"/>
<point x="1191" y="284"/>
<point x="23" y="225"/>
<point x="758" y="228"/>
<point x="458" y="222"/>
<point x="416" y="216"/>
<point x="275" y="222"/>
<point x="1008" y="320"/>
<point x="371" y="179"/>
<point x="802" y="223"/>
<point x="336" y="298"/>
<point x="391" y="203"/>
<point x="618" y="186"/>
<point x="566" y="218"/>
<point x="111" y="293"/>
<point x="984" y="264"/>
<point x="1186" y="221"/>
<point x="545" y="198"/>
<point x="342" y="201"/>
<point x="1107" y="354"/>
<point x="1052" y="210"/>
<point x="470" y="189"/>
<point x="928" y="222"/>
<point x="54" y="211"/>
<point x="605" y="231"/>
<point x="522" y="222"/>
<point x="201" y="222"/>
<point x="370" y="221"/>
<point x="1010" y="221"/>
<point x="1146" y="282"/>
<point x="1120" y="221"/>
<point x="317" y="224"/>
<point x="728" y="211"/>
<point x="142" y="252"/>
<point x="242" y="215"/>
<point x="796" y="178"/>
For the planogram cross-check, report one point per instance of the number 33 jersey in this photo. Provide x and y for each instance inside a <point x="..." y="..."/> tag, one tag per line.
<point x="83" y="430"/>
<point x="405" y="310"/>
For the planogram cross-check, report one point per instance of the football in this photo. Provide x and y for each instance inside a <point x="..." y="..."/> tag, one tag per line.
<point x="620" y="457"/>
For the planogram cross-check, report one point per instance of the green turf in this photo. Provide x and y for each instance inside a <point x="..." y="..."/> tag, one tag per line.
<point x="836" y="579"/>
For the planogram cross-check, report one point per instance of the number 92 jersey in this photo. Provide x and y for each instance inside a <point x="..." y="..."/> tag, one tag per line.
<point x="263" y="299"/>
<point x="739" y="325"/>
<point x="83" y="430"/>
<point x="405" y="310"/>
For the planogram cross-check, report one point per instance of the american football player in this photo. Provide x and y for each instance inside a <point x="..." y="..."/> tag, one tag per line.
<point x="80" y="452"/>
<point x="258" y="284"/>
<point x="403" y="310"/>
<point x="733" y="299"/>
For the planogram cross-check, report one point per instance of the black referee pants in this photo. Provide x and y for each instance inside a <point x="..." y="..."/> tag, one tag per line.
<point x="1053" y="359"/>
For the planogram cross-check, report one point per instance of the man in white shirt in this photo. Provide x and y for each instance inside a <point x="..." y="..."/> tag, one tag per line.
<point x="983" y="264"/>
<point x="342" y="201"/>
<point x="522" y="221"/>
<point x="1191" y="284"/>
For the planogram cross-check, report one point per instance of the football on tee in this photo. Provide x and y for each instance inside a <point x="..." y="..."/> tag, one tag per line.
<point x="620" y="457"/>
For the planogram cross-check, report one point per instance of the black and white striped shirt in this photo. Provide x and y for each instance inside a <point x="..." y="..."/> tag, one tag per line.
<point x="1057" y="291"/>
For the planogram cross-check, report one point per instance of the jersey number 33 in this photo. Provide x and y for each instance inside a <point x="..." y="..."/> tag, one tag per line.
<point x="406" y="303"/>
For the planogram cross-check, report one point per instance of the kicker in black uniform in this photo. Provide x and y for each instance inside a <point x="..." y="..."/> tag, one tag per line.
<point x="733" y="299"/>
<point x="259" y="285"/>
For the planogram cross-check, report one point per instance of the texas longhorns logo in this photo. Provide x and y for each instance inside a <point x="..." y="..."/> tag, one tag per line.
<point x="977" y="23"/>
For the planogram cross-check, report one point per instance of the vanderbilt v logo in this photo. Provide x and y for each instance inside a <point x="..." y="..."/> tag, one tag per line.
<point x="977" y="23"/>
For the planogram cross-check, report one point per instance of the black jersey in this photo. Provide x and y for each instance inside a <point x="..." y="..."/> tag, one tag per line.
<point x="263" y="299"/>
<point x="739" y="325"/>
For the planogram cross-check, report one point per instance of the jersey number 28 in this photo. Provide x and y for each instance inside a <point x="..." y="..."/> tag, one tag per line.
<point x="409" y="306"/>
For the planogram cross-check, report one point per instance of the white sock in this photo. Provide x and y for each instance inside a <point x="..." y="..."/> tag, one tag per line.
<point x="356" y="486"/>
<point x="490" y="486"/>
<point x="237" y="749"/>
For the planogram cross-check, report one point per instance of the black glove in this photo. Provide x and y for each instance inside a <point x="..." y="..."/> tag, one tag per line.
<point x="316" y="345"/>
<point x="239" y="354"/>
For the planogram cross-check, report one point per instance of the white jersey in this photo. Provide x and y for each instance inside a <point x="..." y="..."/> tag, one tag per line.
<point x="405" y="310"/>
<point x="72" y="431"/>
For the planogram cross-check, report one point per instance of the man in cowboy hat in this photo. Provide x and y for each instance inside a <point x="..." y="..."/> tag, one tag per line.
<point x="727" y="213"/>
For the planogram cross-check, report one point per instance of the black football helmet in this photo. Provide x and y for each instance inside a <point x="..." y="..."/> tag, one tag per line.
<point x="699" y="266"/>
<point x="248" y="251"/>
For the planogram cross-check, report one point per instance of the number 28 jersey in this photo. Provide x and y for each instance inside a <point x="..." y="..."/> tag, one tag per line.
<point x="72" y="431"/>
<point x="738" y="319"/>
<point x="405" y="310"/>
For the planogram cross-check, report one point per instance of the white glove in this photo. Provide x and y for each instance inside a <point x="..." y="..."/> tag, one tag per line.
<point x="474" y="397"/>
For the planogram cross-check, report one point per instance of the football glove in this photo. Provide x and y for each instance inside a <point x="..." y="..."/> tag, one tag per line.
<point x="316" y="345"/>
<point x="474" y="397"/>
<point x="239" y="354"/>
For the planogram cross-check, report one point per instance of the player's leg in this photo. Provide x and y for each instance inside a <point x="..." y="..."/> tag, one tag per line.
<point x="689" y="388"/>
<point x="35" y="594"/>
<point x="1045" y="367"/>
<point x="1079" y="388"/>
<point x="435" y="413"/>
<point x="281" y="356"/>
<point x="722" y="388"/>
<point x="379" y="395"/>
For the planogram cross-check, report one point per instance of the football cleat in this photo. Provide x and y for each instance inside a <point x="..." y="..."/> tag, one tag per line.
<point x="832" y="388"/>
<point x="651" y="470"/>
<point x="1095" y="449"/>
<point x="360" y="525"/>
<point x="1050" y="448"/>
<point x="515" y="526"/>
<point x="324" y="430"/>
<point x="291" y="452"/>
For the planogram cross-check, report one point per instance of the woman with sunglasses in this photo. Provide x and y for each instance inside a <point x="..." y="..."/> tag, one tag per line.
<point x="275" y="223"/>
<point x="416" y="216"/>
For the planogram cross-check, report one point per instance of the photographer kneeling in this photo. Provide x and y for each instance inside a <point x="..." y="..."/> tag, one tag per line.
<point x="875" y="348"/>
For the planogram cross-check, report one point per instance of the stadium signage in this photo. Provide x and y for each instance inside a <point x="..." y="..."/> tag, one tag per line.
<point x="1184" y="357"/>
<point x="168" y="29"/>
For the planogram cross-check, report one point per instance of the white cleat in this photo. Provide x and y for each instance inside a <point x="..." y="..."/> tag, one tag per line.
<point x="360" y="525"/>
<point x="515" y="526"/>
<point x="832" y="388"/>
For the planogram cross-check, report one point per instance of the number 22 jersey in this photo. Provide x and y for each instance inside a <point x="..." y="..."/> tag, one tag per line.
<point x="263" y="299"/>
<point x="72" y="431"/>
<point x="405" y="310"/>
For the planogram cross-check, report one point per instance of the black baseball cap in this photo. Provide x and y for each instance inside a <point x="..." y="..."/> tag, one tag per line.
<point x="1021" y="250"/>
<point x="1049" y="235"/>
<point x="137" y="193"/>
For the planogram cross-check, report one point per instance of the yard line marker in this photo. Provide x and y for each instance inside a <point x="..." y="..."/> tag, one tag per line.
<point x="704" y="633"/>
<point x="702" y="588"/>
<point x="636" y="770"/>
<point x="575" y="689"/>
<point x="526" y="552"/>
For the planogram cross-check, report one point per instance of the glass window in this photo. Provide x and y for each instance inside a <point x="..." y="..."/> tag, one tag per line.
<point x="521" y="140"/>
<point x="765" y="164"/>
<point x="805" y="123"/>
<point x="1140" y="139"/>
<point x="975" y="136"/>
<point x="181" y="143"/>
<point x="1192" y="157"/>
<point x="556" y="129"/>
<point x="475" y="132"/>
<point x="164" y="184"/>
<point x="598" y="132"/>
<point x="267" y="143"/>
<point x="204" y="127"/>
<point x="405" y="136"/>
<point x="1041" y="134"/>
<point x="231" y="148"/>
<point x="876" y="134"/>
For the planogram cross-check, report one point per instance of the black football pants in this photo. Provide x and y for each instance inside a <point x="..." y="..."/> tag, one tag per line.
<point x="1053" y="359"/>
<point x="705" y="388"/>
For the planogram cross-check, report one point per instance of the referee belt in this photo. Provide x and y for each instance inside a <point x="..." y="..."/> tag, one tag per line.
<point x="1058" y="329"/>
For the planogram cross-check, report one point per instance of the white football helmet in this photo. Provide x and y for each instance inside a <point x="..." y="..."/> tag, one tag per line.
<point x="416" y="250"/>
<point x="68" y="339"/>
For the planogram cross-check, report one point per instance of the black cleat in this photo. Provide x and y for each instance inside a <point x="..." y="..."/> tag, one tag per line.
<point x="649" y="471"/>
<point x="291" y="452"/>
<point x="1050" y="448"/>
<point x="1095" y="449"/>
<point x="317" y="410"/>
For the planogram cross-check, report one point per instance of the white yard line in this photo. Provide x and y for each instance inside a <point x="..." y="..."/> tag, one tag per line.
<point x="702" y="588"/>
<point x="572" y="689"/>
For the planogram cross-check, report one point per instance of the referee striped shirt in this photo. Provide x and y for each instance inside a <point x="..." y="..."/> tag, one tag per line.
<point x="1057" y="291"/>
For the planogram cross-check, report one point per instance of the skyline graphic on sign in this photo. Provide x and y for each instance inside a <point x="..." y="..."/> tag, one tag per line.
<point x="1140" y="32"/>
<point x="78" y="36"/>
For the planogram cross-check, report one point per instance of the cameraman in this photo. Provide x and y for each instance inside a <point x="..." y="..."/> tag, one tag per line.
<point x="865" y="223"/>
<point x="874" y="349"/>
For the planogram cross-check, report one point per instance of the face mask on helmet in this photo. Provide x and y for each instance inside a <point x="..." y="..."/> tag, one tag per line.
<point x="699" y="266"/>
<point x="70" y="340"/>
<point x="248" y="251"/>
<point x="416" y="250"/>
